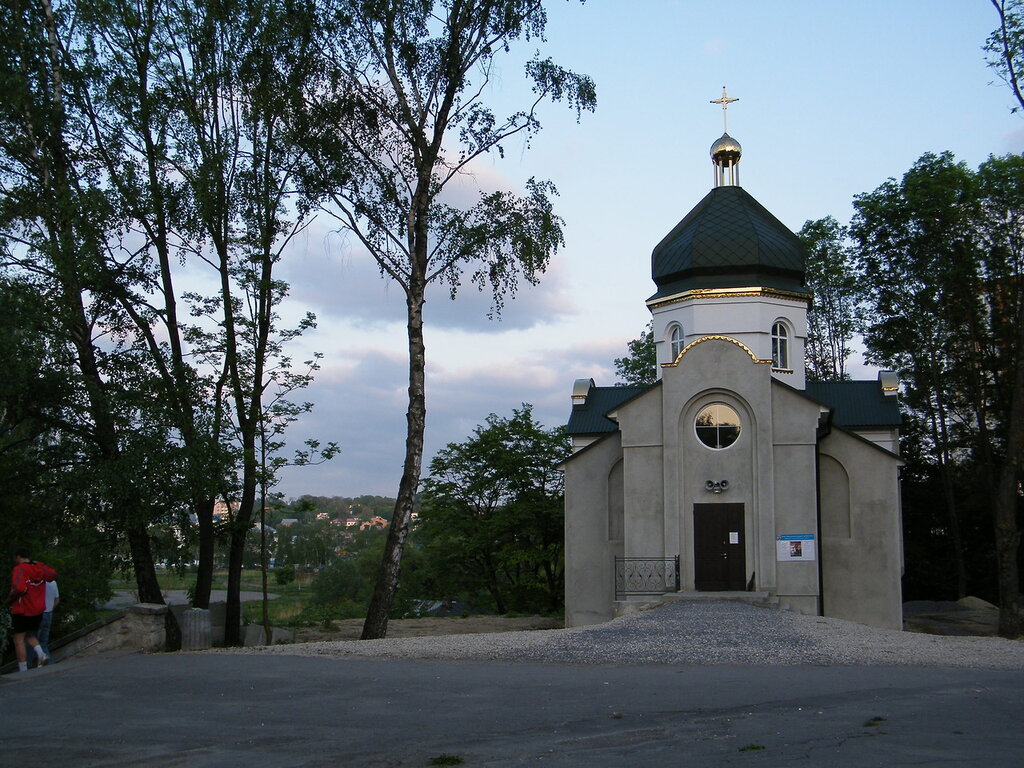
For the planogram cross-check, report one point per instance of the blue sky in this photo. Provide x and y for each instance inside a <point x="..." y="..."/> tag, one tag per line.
<point x="835" y="97"/>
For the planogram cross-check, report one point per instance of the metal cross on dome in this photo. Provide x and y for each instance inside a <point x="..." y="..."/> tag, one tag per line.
<point x="725" y="101"/>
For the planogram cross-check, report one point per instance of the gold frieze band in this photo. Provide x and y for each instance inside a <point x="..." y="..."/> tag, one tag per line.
<point x="730" y="293"/>
<point x="702" y="339"/>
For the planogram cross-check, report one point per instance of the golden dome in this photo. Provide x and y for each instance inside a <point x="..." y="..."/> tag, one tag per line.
<point x="726" y="149"/>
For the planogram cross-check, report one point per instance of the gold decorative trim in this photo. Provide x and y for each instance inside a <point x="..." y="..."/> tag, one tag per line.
<point x="702" y="339"/>
<point x="890" y="389"/>
<point x="730" y="293"/>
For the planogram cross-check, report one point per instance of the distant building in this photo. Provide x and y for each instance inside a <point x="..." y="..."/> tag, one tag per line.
<point x="288" y="521"/>
<point x="223" y="510"/>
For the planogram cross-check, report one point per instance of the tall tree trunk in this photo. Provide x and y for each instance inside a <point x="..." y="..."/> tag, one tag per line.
<point x="204" y="576"/>
<point x="239" y="530"/>
<point x="376" y="624"/>
<point x="940" y="435"/>
<point x="65" y="224"/>
<point x="492" y="583"/>
<point x="142" y="560"/>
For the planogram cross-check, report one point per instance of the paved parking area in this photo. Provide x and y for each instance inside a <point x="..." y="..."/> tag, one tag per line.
<point x="270" y="711"/>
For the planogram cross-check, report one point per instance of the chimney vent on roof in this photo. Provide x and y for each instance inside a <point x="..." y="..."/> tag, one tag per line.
<point x="580" y="389"/>
<point x="890" y="383"/>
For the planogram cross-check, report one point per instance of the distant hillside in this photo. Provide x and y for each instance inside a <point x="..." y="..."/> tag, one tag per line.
<point x="306" y="508"/>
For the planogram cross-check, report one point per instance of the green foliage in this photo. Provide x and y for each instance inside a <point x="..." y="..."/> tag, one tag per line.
<point x="942" y="257"/>
<point x="284" y="574"/>
<point x="311" y="545"/>
<point x="1005" y="46"/>
<point x="836" y="311"/>
<point x="492" y="517"/>
<point x="343" y="580"/>
<point x="409" y="119"/>
<point x="342" y="589"/>
<point x="639" y="366"/>
<point x="161" y="137"/>
<point x="306" y="508"/>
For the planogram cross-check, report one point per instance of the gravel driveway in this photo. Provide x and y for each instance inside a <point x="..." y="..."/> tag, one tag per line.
<point x="694" y="633"/>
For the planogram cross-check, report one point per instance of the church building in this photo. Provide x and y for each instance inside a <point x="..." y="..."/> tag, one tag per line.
<point x="732" y="472"/>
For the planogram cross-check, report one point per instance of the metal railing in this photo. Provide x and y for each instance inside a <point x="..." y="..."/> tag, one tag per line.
<point x="646" y="576"/>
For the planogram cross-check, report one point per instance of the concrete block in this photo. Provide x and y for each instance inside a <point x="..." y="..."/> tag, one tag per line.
<point x="196" y="630"/>
<point x="254" y="635"/>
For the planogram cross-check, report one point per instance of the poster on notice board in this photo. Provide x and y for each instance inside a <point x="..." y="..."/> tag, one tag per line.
<point x="795" y="546"/>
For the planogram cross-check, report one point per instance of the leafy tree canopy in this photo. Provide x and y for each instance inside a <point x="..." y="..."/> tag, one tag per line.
<point x="638" y="365"/>
<point x="833" y="317"/>
<point x="492" y="519"/>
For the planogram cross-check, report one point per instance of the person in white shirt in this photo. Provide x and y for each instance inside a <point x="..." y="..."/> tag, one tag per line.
<point x="43" y="633"/>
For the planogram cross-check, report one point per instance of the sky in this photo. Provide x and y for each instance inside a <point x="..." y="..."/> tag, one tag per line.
<point x="834" y="98"/>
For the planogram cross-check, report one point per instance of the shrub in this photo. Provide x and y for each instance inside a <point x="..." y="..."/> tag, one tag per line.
<point x="326" y="613"/>
<point x="341" y="581"/>
<point x="285" y="574"/>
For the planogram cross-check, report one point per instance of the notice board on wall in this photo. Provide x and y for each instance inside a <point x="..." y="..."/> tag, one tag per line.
<point x="794" y="547"/>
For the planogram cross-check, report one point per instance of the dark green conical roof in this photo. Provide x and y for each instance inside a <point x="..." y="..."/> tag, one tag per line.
<point x="729" y="240"/>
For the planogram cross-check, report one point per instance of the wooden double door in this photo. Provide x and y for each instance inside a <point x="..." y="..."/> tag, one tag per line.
<point x="719" y="549"/>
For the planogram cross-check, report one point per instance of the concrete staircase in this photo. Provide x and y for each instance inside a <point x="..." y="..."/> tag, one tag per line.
<point x="627" y="607"/>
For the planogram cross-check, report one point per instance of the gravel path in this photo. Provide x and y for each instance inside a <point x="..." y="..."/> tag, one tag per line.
<point x="693" y="633"/>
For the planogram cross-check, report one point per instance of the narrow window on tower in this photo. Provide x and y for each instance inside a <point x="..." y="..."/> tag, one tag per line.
<point x="676" y="337"/>
<point x="780" y="346"/>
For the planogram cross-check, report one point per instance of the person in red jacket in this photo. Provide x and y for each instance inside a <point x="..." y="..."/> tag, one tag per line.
<point x="27" y="600"/>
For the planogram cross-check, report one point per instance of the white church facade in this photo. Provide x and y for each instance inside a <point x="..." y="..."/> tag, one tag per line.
<point x="733" y="473"/>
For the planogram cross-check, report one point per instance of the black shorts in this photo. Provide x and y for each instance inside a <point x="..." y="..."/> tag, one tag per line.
<point x="20" y="623"/>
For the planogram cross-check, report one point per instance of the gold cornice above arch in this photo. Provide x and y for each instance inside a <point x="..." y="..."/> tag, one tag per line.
<point x="702" y="339"/>
<point x="730" y="293"/>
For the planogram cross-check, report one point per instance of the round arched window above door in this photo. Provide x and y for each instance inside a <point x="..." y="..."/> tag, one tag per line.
<point x="717" y="426"/>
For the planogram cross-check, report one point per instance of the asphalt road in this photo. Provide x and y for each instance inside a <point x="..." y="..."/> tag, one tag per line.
<point x="265" y="711"/>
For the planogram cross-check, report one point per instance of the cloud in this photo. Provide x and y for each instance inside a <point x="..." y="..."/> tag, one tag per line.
<point x="1013" y="141"/>
<point x="361" y="401"/>
<point x="361" y="405"/>
<point x="338" y="279"/>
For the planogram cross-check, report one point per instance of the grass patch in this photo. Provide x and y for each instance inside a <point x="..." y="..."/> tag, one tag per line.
<point x="283" y="611"/>
<point x="752" y="748"/>
<point x="446" y="759"/>
<point x="251" y="582"/>
<point x="173" y="580"/>
<point x="874" y="722"/>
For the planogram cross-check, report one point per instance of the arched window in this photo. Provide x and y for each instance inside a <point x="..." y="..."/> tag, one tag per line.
<point x="676" y="338"/>
<point x="780" y="346"/>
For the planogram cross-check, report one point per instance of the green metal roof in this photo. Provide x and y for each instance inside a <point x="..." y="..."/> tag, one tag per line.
<point x="589" y="418"/>
<point x="856" y="404"/>
<point x="729" y="240"/>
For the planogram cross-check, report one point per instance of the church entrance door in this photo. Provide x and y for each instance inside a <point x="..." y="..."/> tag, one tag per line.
<point x="718" y="550"/>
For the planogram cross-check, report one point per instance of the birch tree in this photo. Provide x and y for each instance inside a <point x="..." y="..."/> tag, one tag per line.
<point x="412" y="118"/>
